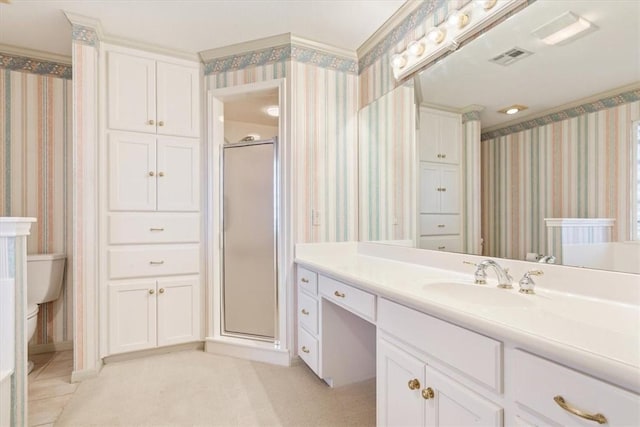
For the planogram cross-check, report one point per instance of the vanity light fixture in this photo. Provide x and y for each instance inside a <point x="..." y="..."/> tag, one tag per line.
<point x="273" y="111"/>
<point x="563" y="29"/>
<point x="513" y="109"/>
<point x="450" y="34"/>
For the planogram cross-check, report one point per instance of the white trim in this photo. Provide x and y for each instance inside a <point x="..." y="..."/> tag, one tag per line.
<point x="115" y="358"/>
<point x="85" y="21"/>
<point x="50" y="347"/>
<point x="130" y="50"/>
<point x="151" y="48"/>
<point x="315" y="45"/>
<point x="580" y="222"/>
<point x="390" y="24"/>
<point x="35" y="54"/>
<point x="249" y="350"/>
<point x="86" y="374"/>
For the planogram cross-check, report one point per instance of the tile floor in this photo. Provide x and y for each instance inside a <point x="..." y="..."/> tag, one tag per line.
<point x="50" y="388"/>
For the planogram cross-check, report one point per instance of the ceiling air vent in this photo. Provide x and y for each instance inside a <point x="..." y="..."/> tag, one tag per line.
<point x="511" y="56"/>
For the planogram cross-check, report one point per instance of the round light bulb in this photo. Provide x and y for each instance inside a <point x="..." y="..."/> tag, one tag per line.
<point x="398" y="61"/>
<point x="273" y="111"/>
<point x="486" y="4"/>
<point x="436" y="35"/>
<point x="458" y="19"/>
<point x="512" y="110"/>
<point x="415" y="48"/>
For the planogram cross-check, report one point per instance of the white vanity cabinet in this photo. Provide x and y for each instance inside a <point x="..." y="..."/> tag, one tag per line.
<point x="439" y="136"/>
<point x="149" y="95"/>
<point x="147" y="313"/>
<point x="148" y="173"/>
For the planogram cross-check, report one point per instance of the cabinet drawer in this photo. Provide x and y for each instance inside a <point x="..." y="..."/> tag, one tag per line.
<point x="445" y="243"/>
<point x="308" y="312"/>
<point x="147" y="261"/>
<point x="153" y="228"/>
<point x="439" y="224"/>
<point x="307" y="280"/>
<point x="536" y="382"/>
<point x="308" y="349"/>
<point x="475" y="355"/>
<point x="355" y="300"/>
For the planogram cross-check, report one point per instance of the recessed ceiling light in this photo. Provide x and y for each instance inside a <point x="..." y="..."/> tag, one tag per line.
<point x="513" y="109"/>
<point x="563" y="29"/>
<point x="273" y="111"/>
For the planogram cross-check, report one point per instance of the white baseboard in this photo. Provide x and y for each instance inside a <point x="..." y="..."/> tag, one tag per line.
<point x="85" y="374"/>
<point x="197" y="345"/>
<point x="248" y="350"/>
<point x="50" y="347"/>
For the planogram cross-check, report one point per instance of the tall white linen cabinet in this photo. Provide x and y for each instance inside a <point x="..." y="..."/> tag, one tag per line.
<point x="150" y="201"/>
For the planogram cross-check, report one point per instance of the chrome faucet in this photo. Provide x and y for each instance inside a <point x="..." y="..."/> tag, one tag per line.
<point x="505" y="280"/>
<point x="547" y="259"/>
<point x="527" y="284"/>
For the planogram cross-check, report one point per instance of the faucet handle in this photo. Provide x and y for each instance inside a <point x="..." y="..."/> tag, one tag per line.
<point x="480" y="275"/>
<point x="527" y="284"/>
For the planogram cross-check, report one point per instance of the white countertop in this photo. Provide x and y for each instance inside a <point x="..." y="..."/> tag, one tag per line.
<point x="597" y="336"/>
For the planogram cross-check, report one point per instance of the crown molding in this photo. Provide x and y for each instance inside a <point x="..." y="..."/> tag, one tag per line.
<point x="326" y="48"/>
<point x="390" y="24"/>
<point x="152" y="48"/>
<point x="35" y="54"/>
<point x="85" y="21"/>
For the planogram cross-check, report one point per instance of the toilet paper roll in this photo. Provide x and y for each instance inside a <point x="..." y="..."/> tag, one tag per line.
<point x="532" y="256"/>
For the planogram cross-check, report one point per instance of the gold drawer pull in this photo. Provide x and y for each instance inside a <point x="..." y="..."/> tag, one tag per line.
<point x="428" y="393"/>
<point x="303" y="280"/>
<point x="339" y="294"/>
<point x="441" y="247"/>
<point x="156" y="262"/>
<point x="440" y="225"/>
<point x="305" y="349"/>
<point x="599" y="418"/>
<point x="151" y="292"/>
<point x="156" y="229"/>
<point x="305" y="312"/>
<point x="414" y="384"/>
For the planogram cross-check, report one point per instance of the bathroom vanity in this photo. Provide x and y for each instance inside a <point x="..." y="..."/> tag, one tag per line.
<point x="446" y="351"/>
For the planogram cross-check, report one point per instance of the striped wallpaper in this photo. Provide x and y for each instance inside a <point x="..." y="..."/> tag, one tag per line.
<point x="471" y="186"/>
<point x="323" y="124"/>
<point x="575" y="168"/>
<point x="387" y="167"/>
<point x="35" y="129"/>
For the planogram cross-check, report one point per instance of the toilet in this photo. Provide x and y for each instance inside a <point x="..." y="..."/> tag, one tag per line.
<point x="44" y="283"/>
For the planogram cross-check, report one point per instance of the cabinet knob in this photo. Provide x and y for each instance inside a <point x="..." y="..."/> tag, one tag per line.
<point x="151" y="292"/>
<point x="160" y="123"/>
<point x="160" y="173"/>
<point x="414" y="384"/>
<point x="305" y="312"/>
<point x="161" y="290"/>
<point x="339" y="294"/>
<point x="151" y="173"/>
<point x="303" y="280"/>
<point x="443" y="156"/>
<point x="443" y="189"/>
<point x="151" y="122"/>
<point x="428" y="393"/>
<point x="305" y="349"/>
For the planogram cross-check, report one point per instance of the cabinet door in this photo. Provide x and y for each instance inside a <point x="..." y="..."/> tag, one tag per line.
<point x="178" y="100"/>
<point x="132" y="172"/>
<point x="131" y="91"/>
<point x="429" y="185"/>
<point x="449" y="139"/>
<point x="428" y="136"/>
<point x="132" y="315"/>
<point x="178" y="310"/>
<point x="455" y="405"/>
<point x="178" y="174"/>
<point x="450" y="189"/>
<point x="397" y="403"/>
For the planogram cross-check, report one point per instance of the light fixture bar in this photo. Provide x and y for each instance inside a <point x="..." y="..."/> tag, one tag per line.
<point x="563" y="29"/>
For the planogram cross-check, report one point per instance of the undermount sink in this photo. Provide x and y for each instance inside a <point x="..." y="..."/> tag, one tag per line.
<point x="482" y="295"/>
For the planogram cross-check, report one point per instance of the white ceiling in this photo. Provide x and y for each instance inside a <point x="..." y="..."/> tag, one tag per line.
<point x="194" y="25"/>
<point x="603" y="60"/>
<point x="251" y="107"/>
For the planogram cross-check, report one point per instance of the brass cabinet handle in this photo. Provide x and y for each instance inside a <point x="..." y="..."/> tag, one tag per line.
<point x="303" y="280"/>
<point x="156" y="229"/>
<point x="160" y="123"/>
<point x="414" y="384"/>
<point x="151" y="122"/>
<point x="339" y="294"/>
<point x="160" y="173"/>
<point x="305" y="312"/>
<point x="440" y="225"/>
<point x="599" y="418"/>
<point x="151" y="292"/>
<point x="441" y="247"/>
<point x="151" y="173"/>
<point x="305" y="349"/>
<point x="428" y="393"/>
<point x="156" y="262"/>
<point x="161" y="290"/>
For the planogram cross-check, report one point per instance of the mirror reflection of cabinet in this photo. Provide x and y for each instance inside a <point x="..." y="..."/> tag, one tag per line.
<point x="439" y="180"/>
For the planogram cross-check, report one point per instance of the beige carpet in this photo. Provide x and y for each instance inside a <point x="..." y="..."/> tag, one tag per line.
<point x="196" y="388"/>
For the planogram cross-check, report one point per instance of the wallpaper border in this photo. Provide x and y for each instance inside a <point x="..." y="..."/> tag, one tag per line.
<point x="276" y="54"/>
<point x="84" y="35"/>
<point x="470" y="116"/>
<point x="589" y="107"/>
<point x="34" y="66"/>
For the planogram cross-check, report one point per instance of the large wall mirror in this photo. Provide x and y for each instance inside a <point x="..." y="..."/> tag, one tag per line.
<point x="444" y="167"/>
